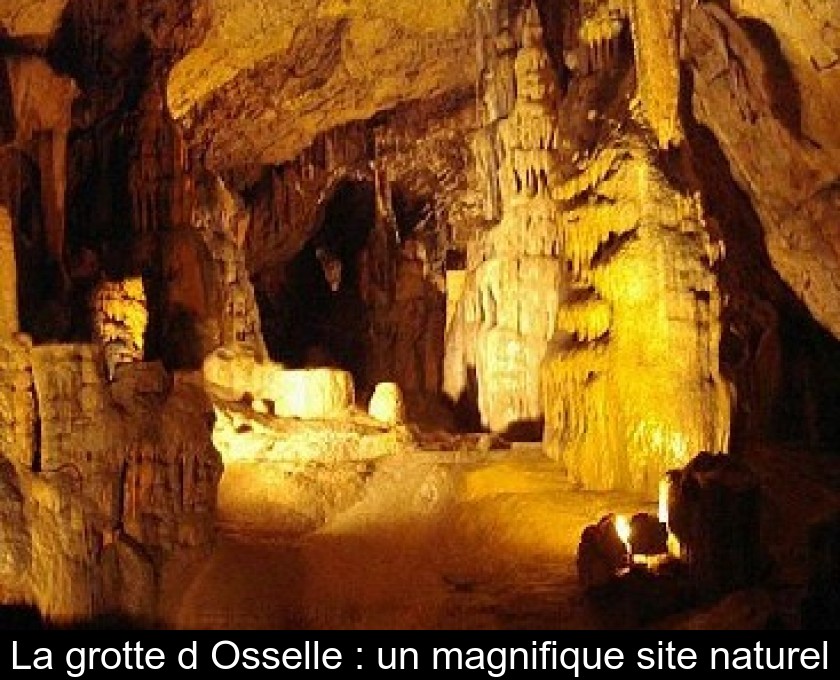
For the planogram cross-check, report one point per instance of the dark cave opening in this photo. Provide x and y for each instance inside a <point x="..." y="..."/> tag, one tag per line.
<point x="317" y="315"/>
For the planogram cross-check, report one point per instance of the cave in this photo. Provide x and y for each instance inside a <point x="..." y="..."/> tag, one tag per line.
<point x="317" y="316"/>
<point x="530" y="305"/>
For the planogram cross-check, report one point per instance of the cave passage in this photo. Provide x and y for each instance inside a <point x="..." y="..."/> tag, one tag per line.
<point x="317" y="315"/>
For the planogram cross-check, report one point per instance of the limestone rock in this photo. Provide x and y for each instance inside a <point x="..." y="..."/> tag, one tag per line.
<point x="601" y="555"/>
<point x="251" y="57"/>
<point x="766" y="77"/>
<point x="310" y="394"/>
<point x="9" y="314"/>
<point x="235" y="370"/>
<point x="714" y="511"/>
<point x="387" y="405"/>
<point x="83" y="468"/>
<point x="513" y="297"/>
<point x="550" y="326"/>
<point x="120" y="319"/>
<point x="24" y="18"/>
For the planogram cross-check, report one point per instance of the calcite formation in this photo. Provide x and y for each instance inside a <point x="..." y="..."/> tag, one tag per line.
<point x="510" y="308"/>
<point x="224" y="223"/>
<point x="387" y="404"/>
<point x="121" y="317"/>
<point x="310" y="394"/>
<point x="285" y="238"/>
<point x="595" y="299"/>
<point x="623" y="348"/>
<point x="94" y="480"/>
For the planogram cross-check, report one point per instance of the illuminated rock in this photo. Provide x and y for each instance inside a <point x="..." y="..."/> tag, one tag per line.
<point x="120" y="320"/>
<point x="641" y="328"/>
<point x="235" y="371"/>
<point x="594" y="305"/>
<point x="88" y="471"/>
<point x="309" y="394"/>
<point x="250" y="47"/>
<point x="511" y="299"/>
<point x="386" y="404"/>
<point x="236" y="374"/>
<point x="656" y="27"/>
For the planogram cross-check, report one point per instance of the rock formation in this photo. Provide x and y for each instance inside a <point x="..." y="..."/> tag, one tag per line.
<point x="511" y="308"/>
<point x="606" y="226"/>
<point x="600" y="271"/>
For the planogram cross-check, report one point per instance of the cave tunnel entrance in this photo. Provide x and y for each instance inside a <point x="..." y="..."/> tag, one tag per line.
<point x="317" y="314"/>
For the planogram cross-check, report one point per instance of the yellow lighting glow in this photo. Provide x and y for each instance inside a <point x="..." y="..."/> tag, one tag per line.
<point x="664" y="489"/>
<point x="622" y="528"/>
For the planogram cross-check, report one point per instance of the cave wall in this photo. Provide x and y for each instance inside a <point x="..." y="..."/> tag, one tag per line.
<point x="109" y="474"/>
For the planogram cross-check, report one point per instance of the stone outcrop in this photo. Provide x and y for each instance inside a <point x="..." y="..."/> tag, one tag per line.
<point x="99" y="487"/>
<point x="236" y="374"/>
<point x="766" y="76"/>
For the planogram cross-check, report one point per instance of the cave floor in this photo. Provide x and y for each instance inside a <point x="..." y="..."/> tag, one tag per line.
<point x="466" y="540"/>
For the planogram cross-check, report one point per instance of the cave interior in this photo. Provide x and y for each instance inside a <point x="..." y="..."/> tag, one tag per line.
<point x="303" y="301"/>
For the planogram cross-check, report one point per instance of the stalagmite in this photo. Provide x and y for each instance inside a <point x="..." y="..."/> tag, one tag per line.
<point x="598" y="288"/>
<point x="517" y="276"/>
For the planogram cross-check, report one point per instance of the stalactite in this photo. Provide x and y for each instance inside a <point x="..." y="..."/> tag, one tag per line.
<point x="655" y="25"/>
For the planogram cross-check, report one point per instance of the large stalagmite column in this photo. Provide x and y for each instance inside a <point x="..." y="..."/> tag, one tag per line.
<point x="514" y="288"/>
<point x="633" y="387"/>
<point x="9" y="320"/>
<point x="594" y="303"/>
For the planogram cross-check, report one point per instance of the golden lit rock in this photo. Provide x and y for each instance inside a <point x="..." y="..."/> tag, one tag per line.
<point x="24" y="18"/>
<point x="9" y="315"/>
<point x="387" y="405"/>
<point x="363" y="57"/>
<point x="236" y="374"/>
<point x="560" y="248"/>
<point x="512" y="297"/>
<point x="121" y="317"/>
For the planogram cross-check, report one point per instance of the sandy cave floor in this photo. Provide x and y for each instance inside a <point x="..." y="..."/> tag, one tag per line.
<point x="443" y="540"/>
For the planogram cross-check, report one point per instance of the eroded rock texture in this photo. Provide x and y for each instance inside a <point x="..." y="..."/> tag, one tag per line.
<point x="98" y="468"/>
<point x="109" y="475"/>
<point x="595" y="300"/>
<point x="605" y="224"/>
<point x="766" y="78"/>
<point x="270" y="76"/>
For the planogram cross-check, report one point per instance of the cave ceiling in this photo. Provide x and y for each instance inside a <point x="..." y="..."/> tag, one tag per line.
<point x="269" y="75"/>
<point x="31" y="19"/>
